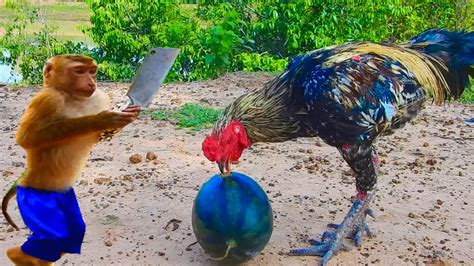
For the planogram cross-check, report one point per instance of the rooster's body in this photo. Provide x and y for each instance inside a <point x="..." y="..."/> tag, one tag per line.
<point x="350" y="95"/>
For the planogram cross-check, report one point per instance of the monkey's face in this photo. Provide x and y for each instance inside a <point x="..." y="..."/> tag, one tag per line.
<point x="83" y="79"/>
<point x="74" y="74"/>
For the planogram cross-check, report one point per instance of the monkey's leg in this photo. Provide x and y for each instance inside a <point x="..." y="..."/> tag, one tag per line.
<point x="52" y="218"/>
<point x="20" y="258"/>
<point x="364" y="161"/>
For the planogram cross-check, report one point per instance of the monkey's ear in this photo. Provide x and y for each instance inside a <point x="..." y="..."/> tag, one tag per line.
<point x="47" y="69"/>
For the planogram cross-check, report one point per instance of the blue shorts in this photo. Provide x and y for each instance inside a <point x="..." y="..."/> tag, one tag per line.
<point x="55" y="221"/>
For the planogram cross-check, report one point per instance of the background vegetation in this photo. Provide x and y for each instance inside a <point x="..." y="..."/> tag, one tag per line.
<point x="214" y="36"/>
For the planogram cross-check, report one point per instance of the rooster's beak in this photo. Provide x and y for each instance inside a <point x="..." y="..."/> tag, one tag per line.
<point x="221" y="167"/>
<point x="224" y="167"/>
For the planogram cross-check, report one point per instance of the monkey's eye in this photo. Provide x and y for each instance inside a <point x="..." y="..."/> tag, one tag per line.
<point x="80" y="71"/>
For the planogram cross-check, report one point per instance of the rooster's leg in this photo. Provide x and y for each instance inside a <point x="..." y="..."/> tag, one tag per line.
<point x="352" y="226"/>
<point x="364" y="161"/>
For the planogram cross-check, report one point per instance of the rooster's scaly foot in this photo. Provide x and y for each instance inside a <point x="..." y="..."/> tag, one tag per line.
<point x="352" y="226"/>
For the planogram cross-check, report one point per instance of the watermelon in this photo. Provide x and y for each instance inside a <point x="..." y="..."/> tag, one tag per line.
<point x="232" y="218"/>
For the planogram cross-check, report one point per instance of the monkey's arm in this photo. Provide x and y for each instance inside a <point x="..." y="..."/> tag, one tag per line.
<point x="45" y="125"/>
<point x="59" y="130"/>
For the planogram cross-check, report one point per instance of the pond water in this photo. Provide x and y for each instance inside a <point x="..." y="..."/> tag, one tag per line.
<point x="8" y="75"/>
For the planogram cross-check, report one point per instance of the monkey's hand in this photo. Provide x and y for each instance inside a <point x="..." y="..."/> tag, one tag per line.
<point x="114" y="120"/>
<point x="109" y="134"/>
<point x="133" y="109"/>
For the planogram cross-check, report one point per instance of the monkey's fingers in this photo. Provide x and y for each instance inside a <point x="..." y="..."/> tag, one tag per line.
<point x="132" y="109"/>
<point x="127" y="114"/>
<point x="135" y="114"/>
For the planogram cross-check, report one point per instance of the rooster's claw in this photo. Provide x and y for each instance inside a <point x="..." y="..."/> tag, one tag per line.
<point x="331" y="242"/>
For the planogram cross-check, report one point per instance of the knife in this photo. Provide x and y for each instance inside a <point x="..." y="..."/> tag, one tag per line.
<point x="150" y="75"/>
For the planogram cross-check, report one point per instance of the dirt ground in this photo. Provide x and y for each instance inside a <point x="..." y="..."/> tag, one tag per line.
<point x="140" y="213"/>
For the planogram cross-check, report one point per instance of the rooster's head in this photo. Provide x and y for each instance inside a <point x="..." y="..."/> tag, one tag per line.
<point x="225" y="146"/>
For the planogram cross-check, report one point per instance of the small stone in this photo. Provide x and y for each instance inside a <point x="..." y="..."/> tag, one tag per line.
<point x="449" y="122"/>
<point x="151" y="156"/>
<point x="136" y="158"/>
<point x="108" y="243"/>
<point x="18" y="164"/>
<point x="7" y="173"/>
<point x="101" y="180"/>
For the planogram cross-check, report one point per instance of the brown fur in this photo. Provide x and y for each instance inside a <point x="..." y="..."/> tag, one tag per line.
<point x="74" y="130"/>
<point x="59" y="128"/>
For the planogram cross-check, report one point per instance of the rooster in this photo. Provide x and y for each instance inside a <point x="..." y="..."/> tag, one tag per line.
<point x="347" y="95"/>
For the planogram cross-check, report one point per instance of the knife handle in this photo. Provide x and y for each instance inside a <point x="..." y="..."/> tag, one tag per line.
<point x="122" y="105"/>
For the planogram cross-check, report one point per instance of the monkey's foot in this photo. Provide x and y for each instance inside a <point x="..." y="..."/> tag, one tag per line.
<point x="352" y="226"/>
<point x="18" y="257"/>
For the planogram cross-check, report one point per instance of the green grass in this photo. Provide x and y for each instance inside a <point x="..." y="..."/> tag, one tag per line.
<point x="69" y="8"/>
<point x="66" y="18"/>
<point x="192" y="116"/>
<point x="468" y="94"/>
<point x="57" y="12"/>
<point x="66" y="12"/>
<point x="66" y="30"/>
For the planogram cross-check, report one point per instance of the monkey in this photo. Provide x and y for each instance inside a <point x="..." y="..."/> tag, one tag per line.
<point x="58" y="129"/>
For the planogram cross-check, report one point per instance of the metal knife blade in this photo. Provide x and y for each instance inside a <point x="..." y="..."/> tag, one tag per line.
<point x="150" y="75"/>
